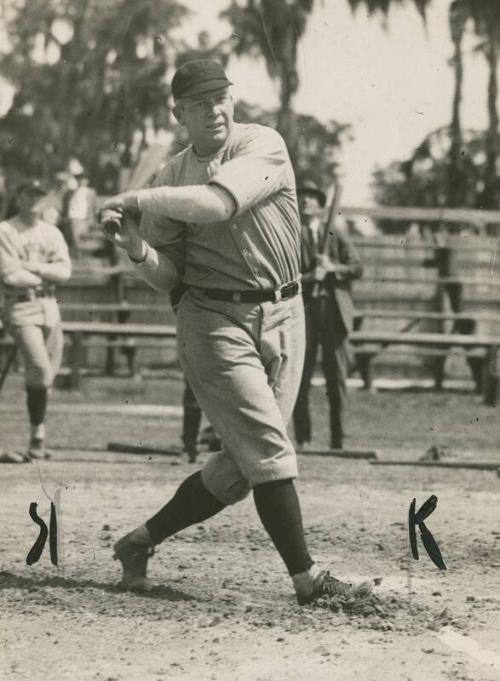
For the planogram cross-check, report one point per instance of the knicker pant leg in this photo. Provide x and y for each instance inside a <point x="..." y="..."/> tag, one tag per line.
<point x="38" y="362"/>
<point x="244" y="364"/>
<point x="54" y="341"/>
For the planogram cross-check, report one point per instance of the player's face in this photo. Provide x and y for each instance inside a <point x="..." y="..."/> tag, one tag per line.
<point x="309" y="205"/>
<point x="208" y="119"/>
<point x="28" y="201"/>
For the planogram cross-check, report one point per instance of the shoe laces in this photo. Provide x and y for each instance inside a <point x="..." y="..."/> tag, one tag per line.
<point x="334" y="587"/>
<point x="344" y="590"/>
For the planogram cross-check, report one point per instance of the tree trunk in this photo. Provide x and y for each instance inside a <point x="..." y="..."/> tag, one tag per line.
<point x="289" y="82"/>
<point x="71" y="56"/>
<point x="491" y="189"/>
<point x="455" y="174"/>
<point x="286" y="122"/>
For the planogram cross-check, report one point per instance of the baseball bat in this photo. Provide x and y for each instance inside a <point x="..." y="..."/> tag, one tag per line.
<point x="330" y="224"/>
<point x="147" y="165"/>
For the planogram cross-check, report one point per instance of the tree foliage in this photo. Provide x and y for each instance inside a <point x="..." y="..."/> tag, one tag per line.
<point x="383" y="6"/>
<point x="422" y="180"/>
<point x="486" y="17"/>
<point x="88" y="76"/>
<point x="272" y="29"/>
<point x="318" y="144"/>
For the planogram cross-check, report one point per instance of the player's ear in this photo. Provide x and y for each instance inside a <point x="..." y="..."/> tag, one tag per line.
<point x="179" y="113"/>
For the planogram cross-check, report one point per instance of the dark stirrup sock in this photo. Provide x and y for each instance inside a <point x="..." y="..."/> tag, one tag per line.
<point x="36" y="399"/>
<point x="279" y="510"/>
<point x="192" y="503"/>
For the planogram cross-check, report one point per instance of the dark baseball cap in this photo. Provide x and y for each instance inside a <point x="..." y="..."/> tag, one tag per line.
<point x="34" y="186"/>
<point x="198" y="76"/>
<point x="307" y="185"/>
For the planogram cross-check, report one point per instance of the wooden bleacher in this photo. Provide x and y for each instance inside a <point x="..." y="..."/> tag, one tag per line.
<point x="396" y="309"/>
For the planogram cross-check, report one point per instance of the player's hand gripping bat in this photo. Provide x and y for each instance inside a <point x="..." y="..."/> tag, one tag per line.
<point x="146" y="167"/>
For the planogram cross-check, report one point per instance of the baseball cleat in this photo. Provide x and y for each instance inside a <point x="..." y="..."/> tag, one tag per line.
<point x="134" y="559"/>
<point x="190" y="453"/>
<point x="326" y="585"/>
<point x="11" y="457"/>
<point x="37" y="449"/>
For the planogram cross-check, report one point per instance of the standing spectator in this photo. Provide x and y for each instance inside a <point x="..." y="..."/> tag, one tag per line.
<point x="33" y="259"/>
<point x="54" y="201"/>
<point x="326" y="289"/>
<point x="82" y="213"/>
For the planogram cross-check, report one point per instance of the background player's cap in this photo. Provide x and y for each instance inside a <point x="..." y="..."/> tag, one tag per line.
<point x="307" y="185"/>
<point x="32" y="185"/>
<point x="198" y="76"/>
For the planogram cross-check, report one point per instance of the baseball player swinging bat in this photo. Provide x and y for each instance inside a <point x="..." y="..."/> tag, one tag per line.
<point x="330" y="224"/>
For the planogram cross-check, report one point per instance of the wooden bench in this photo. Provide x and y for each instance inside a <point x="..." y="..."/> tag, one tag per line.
<point x="424" y="315"/>
<point x="112" y="308"/>
<point x="120" y="312"/>
<point x="368" y="344"/>
<point x="110" y="332"/>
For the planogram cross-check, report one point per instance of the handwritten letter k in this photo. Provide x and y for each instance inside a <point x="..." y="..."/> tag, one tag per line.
<point x="427" y="539"/>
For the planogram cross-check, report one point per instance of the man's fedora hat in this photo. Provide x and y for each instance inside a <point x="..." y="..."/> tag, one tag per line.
<point x="307" y="185"/>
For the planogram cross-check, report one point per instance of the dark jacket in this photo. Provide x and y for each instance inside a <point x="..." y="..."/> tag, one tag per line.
<point x="342" y="252"/>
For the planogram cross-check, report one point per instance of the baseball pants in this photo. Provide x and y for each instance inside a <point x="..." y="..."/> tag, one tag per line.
<point x="41" y="348"/>
<point x="244" y="364"/>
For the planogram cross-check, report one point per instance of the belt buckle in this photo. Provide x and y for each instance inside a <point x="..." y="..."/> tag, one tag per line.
<point x="236" y="297"/>
<point x="277" y="295"/>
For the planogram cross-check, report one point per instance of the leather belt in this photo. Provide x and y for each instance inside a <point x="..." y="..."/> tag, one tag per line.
<point x="27" y="297"/>
<point x="257" y="296"/>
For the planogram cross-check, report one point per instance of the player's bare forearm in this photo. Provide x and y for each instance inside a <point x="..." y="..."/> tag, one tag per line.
<point x="203" y="204"/>
<point x="55" y="272"/>
<point x="22" y="279"/>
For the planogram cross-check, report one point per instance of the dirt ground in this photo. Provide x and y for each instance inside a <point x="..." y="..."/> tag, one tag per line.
<point x="223" y="608"/>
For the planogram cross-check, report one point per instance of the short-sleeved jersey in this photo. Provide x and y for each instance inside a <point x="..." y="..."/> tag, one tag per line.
<point x="259" y="247"/>
<point x="40" y="243"/>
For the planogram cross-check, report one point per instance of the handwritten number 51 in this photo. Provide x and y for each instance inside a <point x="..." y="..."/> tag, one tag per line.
<point x="37" y="549"/>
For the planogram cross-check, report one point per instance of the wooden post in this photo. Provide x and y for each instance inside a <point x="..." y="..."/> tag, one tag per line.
<point x="364" y="364"/>
<point x="491" y="377"/>
<point x="118" y="287"/>
<point x="76" y="359"/>
<point x="128" y="348"/>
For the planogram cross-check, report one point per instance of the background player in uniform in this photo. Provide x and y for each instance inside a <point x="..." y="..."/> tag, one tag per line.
<point x="33" y="259"/>
<point x="224" y="218"/>
<point x="329" y="311"/>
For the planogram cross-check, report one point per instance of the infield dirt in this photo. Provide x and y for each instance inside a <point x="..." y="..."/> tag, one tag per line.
<point x="224" y="608"/>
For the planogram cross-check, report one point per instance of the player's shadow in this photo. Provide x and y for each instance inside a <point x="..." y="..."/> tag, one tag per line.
<point x="11" y="581"/>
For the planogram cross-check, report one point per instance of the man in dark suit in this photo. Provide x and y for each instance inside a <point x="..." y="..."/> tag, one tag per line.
<point x="326" y="283"/>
